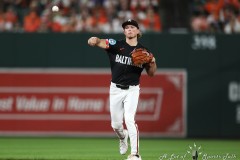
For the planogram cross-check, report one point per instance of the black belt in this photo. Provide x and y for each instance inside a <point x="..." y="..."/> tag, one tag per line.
<point x="122" y="86"/>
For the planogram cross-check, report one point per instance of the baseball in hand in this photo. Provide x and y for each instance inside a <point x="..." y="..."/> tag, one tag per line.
<point x="93" y="41"/>
<point x="55" y="9"/>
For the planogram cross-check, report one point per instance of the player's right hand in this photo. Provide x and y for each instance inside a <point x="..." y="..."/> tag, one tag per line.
<point x="93" y="41"/>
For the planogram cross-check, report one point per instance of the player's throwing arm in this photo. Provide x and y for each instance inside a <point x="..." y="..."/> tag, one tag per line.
<point x="95" y="41"/>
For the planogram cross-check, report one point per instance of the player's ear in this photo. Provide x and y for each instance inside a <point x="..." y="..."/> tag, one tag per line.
<point x="139" y="35"/>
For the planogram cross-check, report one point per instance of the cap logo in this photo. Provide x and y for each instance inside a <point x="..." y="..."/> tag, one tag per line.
<point x="129" y="20"/>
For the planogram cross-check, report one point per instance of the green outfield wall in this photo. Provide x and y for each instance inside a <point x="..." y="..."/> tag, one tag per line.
<point x="212" y="63"/>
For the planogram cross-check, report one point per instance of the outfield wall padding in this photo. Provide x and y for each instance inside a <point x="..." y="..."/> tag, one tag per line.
<point x="212" y="63"/>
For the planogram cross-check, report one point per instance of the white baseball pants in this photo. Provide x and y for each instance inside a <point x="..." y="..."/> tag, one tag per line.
<point x="123" y="106"/>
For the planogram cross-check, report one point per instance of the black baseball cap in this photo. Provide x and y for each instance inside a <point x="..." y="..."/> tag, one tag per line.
<point x="130" y="22"/>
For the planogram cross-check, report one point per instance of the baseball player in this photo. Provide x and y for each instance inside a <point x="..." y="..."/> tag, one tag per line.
<point x="124" y="87"/>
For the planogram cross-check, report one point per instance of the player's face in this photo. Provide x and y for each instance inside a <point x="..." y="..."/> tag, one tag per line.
<point x="131" y="31"/>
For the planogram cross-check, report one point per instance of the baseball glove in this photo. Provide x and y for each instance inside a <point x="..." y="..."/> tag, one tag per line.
<point x="141" y="56"/>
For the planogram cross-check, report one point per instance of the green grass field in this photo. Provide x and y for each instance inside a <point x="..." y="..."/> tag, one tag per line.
<point x="107" y="149"/>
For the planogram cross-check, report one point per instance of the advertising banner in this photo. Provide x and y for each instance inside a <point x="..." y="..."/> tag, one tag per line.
<point x="230" y="117"/>
<point x="76" y="102"/>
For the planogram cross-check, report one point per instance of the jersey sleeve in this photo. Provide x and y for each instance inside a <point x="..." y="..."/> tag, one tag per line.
<point x="112" y="45"/>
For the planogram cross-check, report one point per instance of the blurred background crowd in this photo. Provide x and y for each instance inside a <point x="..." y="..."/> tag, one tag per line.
<point x="106" y="16"/>
<point x="215" y="16"/>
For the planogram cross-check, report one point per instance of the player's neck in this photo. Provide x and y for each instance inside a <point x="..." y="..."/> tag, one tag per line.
<point x="132" y="41"/>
